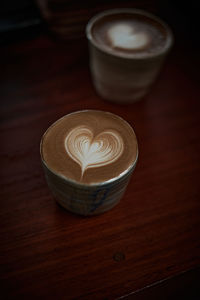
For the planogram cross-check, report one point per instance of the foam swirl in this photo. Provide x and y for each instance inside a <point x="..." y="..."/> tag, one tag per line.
<point x="91" y="151"/>
<point x="124" y="36"/>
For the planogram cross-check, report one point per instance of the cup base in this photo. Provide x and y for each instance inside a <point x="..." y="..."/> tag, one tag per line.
<point x="112" y="94"/>
<point x="83" y="212"/>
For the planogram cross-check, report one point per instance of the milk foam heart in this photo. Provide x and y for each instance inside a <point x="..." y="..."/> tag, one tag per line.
<point x="124" y="36"/>
<point x="91" y="151"/>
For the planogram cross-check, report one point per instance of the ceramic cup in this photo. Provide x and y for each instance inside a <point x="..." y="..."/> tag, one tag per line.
<point x="88" y="158"/>
<point x="127" y="49"/>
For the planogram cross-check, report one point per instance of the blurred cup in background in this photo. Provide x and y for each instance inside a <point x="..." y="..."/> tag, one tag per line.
<point x="127" y="49"/>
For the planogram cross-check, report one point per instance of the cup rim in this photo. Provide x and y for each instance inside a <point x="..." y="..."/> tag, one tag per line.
<point x="98" y="16"/>
<point x="95" y="184"/>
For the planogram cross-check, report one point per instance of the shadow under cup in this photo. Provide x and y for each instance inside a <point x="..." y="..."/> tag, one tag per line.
<point x="125" y="77"/>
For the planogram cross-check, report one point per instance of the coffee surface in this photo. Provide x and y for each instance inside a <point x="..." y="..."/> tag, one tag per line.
<point x="129" y="34"/>
<point x="89" y="146"/>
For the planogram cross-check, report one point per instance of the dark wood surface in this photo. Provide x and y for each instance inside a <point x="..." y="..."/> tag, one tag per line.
<point x="151" y="237"/>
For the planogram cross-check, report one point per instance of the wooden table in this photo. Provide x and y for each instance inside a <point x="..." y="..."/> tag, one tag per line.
<point x="148" y="246"/>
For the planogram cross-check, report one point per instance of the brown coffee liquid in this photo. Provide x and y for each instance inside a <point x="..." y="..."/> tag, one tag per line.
<point x="89" y="146"/>
<point x="139" y="35"/>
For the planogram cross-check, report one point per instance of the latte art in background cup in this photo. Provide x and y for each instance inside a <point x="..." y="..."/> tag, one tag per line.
<point x="88" y="157"/>
<point x="127" y="50"/>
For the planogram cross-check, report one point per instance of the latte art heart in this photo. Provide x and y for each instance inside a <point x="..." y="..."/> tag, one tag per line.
<point x="92" y="152"/>
<point x="124" y="36"/>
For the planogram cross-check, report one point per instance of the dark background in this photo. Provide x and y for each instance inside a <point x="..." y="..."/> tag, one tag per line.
<point x="48" y="253"/>
<point x="24" y="17"/>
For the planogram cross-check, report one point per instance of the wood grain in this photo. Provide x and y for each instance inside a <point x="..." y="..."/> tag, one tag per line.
<point x="152" y="235"/>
